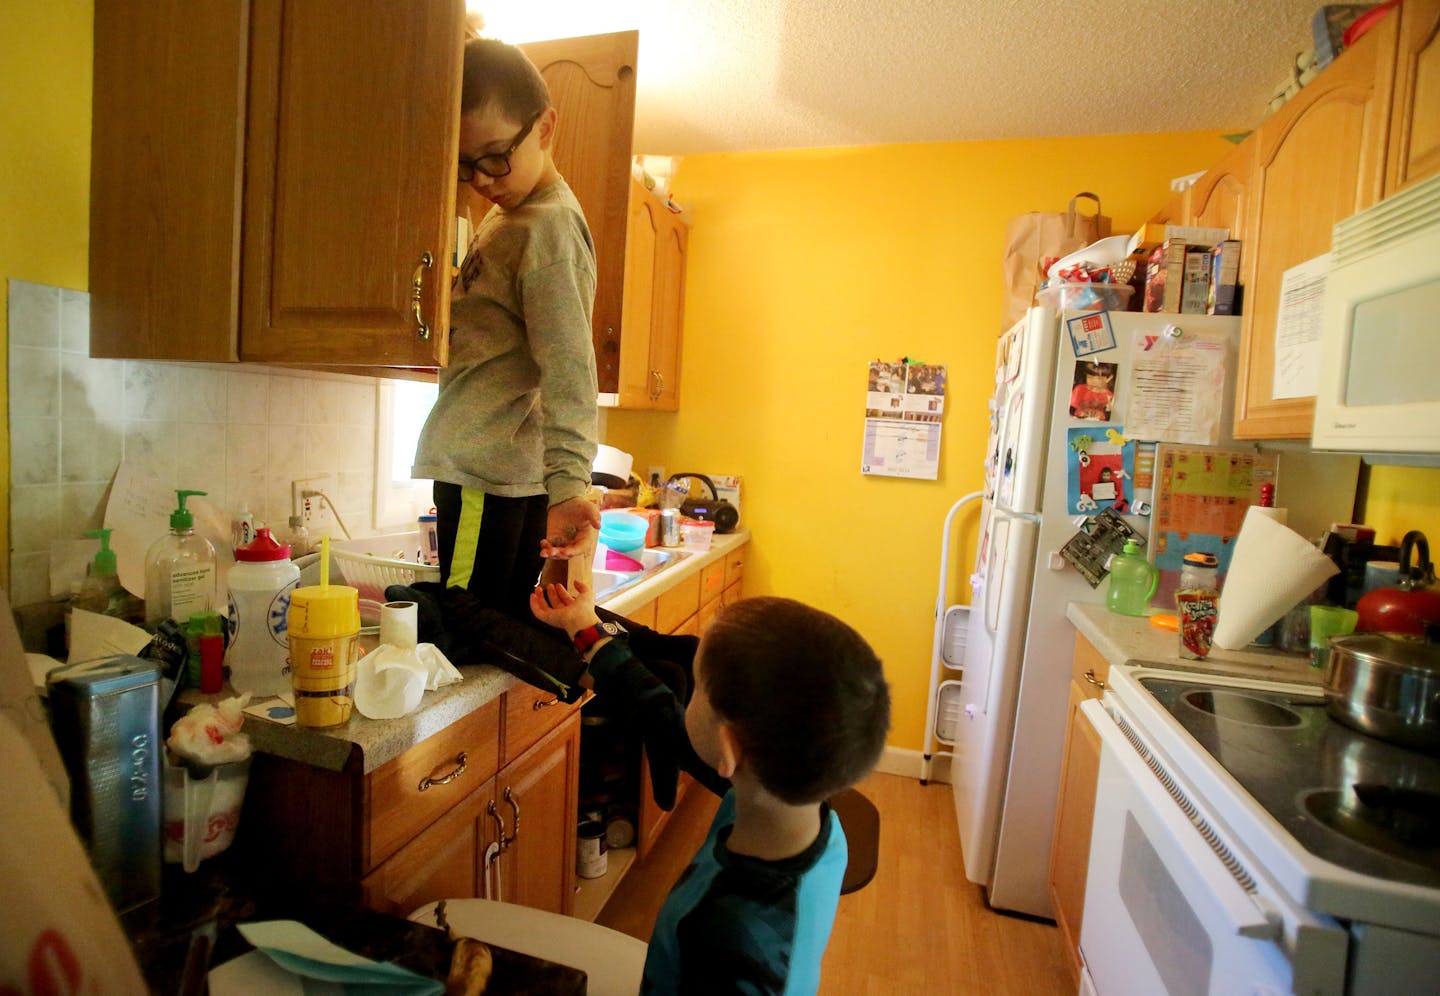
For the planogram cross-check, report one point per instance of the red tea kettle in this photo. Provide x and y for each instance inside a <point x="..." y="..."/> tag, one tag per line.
<point x="1412" y="603"/>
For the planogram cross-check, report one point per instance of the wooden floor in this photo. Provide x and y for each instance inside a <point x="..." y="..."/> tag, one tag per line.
<point x="918" y="927"/>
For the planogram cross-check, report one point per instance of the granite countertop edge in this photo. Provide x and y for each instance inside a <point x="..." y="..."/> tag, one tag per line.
<point x="380" y="741"/>
<point x="1133" y="640"/>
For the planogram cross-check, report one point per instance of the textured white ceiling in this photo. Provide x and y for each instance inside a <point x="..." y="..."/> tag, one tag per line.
<point x="732" y="75"/>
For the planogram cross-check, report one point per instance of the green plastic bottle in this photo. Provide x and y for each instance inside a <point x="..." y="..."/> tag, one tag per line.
<point x="1133" y="581"/>
<point x="180" y="570"/>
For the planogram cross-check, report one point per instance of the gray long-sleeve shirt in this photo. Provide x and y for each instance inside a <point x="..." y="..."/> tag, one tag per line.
<point x="516" y="413"/>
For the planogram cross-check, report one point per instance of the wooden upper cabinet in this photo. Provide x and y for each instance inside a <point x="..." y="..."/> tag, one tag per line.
<point x="1415" y="118"/>
<point x="167" y="163"/>
<point x="266" y="187"/>
<point x="1217" y="200"/>
<point x="654" y="304"/>
<point x="592" y="84"/>
<point x="1319" y="159"/>
<point x="350" y="181"/>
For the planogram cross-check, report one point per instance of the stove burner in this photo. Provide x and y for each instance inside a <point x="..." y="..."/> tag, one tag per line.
<point x="1235" y="707"/>
<point x="1397" y="823"/>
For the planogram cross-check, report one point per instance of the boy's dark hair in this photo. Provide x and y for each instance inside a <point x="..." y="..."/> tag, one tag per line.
<point x="502" y="73"/>
<point x="804" y="692"/>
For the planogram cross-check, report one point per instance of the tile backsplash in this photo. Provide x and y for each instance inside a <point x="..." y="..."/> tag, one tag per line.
<point x="240" y="433"/>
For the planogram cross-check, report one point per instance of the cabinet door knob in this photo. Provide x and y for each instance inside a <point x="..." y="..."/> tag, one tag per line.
<point x="417" y="285"/>
<point x="458" y="770"/>
<point x="1089" y="676"/>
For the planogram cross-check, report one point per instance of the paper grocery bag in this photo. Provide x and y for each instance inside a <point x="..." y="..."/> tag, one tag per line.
<point x="1033" y="239"/>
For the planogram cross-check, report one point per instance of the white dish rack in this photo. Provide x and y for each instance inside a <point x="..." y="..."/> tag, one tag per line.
<point x="373" y="564"/>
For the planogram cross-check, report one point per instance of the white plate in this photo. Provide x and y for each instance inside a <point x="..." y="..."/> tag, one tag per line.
<point x="1111" y="249"/>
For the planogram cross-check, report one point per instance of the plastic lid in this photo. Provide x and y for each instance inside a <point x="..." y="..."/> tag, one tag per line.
<point x="183" y="518"/>
<point x="1131" y="547"/>
<point x="1198" y="559"/>
<point x="321" y="611"/>
<point x="264" y="548"/>
<point x="103" y="566"/>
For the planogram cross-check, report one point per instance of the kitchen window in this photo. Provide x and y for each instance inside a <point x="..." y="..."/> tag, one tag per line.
<point x="399" y="498"/>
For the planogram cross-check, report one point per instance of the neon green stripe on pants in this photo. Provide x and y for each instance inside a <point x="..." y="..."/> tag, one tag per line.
<point x="467" y="537"/>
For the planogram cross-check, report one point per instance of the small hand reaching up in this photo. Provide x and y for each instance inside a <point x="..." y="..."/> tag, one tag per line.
<point x="554" y="605"/>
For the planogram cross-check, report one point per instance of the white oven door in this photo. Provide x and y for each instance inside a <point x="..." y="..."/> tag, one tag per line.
<point x="1163" y="913"/>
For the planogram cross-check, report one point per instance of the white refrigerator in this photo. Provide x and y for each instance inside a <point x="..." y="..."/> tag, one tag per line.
<point x="1005" y="768"/>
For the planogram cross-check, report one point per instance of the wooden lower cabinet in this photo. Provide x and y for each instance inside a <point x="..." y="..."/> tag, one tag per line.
<point x="419" y="828"/>
<point x="445" y="861"/>
<point x="1075" y="807"/>
<point x="536" y="795"/>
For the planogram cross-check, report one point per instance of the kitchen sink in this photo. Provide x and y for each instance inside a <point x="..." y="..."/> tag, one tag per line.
<point x="610" y="582"/>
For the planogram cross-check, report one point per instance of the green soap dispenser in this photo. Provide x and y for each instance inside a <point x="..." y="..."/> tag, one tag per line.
<point x="1133" y="581"/>
<point x="180" y="570"/>
<point x="101" y="591"/>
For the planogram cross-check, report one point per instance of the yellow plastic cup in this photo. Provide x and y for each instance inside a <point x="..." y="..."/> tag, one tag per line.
<point x="324" y="649"/>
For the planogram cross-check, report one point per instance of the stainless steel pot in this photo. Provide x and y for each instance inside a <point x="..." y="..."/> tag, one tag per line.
<point x="1386" y="686"/>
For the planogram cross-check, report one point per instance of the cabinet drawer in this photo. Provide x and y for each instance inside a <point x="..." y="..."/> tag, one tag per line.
<point x="398" y="807"/>
<point x="530" y="713"/>
<point x="1089" y="669"/>
<point x="712" y="581"/>
<point x="734" y="565"/>
<point x="707" y="614"/>
<point x="678" y="604"/>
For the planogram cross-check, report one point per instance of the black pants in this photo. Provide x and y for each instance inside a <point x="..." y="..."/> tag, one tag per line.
<point x="498" y="540"/>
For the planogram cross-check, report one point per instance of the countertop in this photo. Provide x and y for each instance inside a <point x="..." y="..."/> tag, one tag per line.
<point x="379" y="741"/>
<point x="1131" y="639"/>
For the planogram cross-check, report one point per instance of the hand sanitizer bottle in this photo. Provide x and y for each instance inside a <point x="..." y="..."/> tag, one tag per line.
<point x="179" y="570"/>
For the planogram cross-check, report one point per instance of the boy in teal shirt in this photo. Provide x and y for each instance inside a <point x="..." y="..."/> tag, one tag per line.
<point x="791" y="705"/>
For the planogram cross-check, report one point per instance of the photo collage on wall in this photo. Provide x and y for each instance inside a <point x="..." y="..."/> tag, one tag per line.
<point x="904" y="405"/>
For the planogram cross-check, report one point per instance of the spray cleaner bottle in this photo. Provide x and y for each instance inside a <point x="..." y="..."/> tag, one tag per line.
<point x="180" y="570"/>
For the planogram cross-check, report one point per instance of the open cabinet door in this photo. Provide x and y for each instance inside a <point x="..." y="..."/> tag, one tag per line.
<point x="592" y="83"/>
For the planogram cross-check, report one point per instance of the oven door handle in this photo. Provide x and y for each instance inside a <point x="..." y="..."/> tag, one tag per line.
<point x="1249" y="914"/>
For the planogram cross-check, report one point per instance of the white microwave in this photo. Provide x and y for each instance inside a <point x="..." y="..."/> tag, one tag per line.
<point x="1379" y="389"/>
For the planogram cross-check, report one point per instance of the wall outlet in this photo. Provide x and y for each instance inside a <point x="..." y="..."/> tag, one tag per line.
<point x="655" y="474"/>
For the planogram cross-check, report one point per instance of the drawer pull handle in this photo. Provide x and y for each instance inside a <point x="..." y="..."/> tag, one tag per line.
<point x="515" y="828"/>
<point x="417" y="287"/>
<point x="1089" y="676"/>
<point x="459" y="770"/>
<point x="538" y="705"/>
<point x="658" y="379"/>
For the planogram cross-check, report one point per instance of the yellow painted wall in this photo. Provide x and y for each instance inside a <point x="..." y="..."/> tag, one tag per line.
<point x="1399" y="499"/>
<point x="805" y="266"/>
<point x="45" y="59"/>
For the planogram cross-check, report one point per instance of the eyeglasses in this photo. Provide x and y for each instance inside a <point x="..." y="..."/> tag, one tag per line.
<point x="496" y="164"/>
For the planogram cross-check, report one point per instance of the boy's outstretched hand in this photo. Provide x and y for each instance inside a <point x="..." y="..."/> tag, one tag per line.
<point x="571" y="529"/>
<point x="554" y="605"/>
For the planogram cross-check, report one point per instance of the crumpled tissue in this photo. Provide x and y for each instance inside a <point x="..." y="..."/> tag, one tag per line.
<point x="390" y="680"/>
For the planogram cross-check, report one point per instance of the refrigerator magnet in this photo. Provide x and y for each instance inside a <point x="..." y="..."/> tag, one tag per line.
<point x="1097" y="469"/>
<point x="1090" y="333"/>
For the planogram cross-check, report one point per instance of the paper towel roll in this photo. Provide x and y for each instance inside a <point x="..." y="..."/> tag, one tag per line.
<point x="398" y="624"/>
<point x="1272" y="570"/>
<point x="1280" y="515"/>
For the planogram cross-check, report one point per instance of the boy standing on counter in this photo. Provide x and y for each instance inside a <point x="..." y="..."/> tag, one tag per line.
<point x="791" y="705"/>
<point x="511" y="438"/>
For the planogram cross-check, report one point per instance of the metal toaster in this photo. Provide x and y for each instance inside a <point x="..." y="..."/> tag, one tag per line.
<point x="106" y="721"/>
